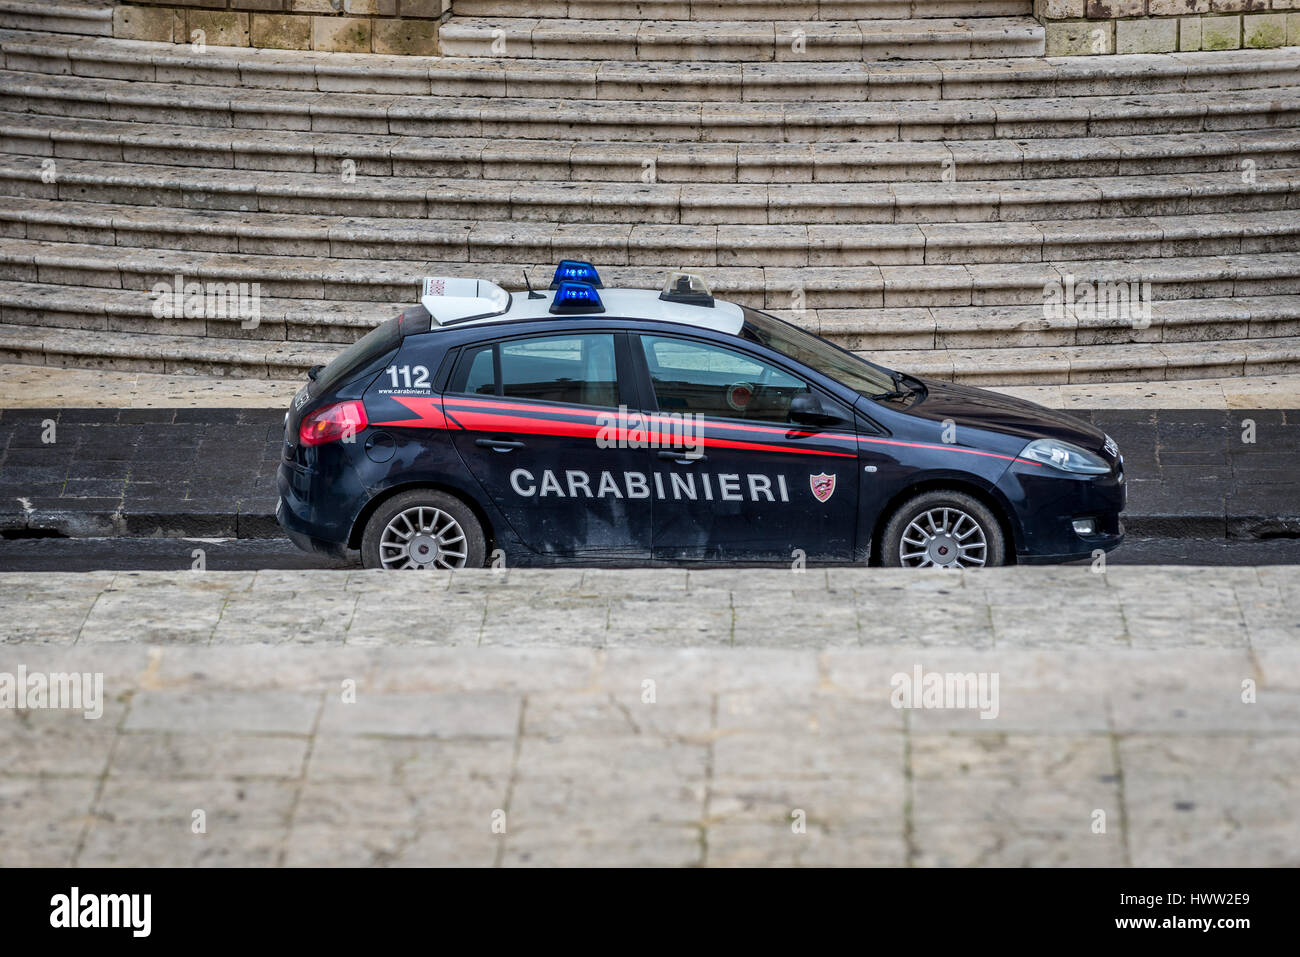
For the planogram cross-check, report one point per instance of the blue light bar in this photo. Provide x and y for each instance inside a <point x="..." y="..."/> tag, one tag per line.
<point x="574" y="270"/>
<point x="576" y="297"/>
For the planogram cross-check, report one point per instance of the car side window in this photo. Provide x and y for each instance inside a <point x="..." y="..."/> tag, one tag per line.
<point x="475" y="373"/>
<point x="579" y="369"/>
<point x="706" y="379"/>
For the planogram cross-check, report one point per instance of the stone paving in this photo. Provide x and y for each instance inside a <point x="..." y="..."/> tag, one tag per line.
<point x="1144" y="716"/>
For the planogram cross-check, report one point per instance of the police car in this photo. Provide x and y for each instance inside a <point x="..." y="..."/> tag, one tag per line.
<point x="593" y="425"/>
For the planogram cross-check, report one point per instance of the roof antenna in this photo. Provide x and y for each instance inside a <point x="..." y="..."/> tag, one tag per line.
<point x="529" y="283"/>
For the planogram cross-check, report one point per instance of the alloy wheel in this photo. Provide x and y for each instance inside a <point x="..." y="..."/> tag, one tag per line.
<point x="423" y="537"/>
<point x="943" y="538"/>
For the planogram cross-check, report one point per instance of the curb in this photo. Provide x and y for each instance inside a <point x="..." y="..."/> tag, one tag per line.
<point x="199" y="523"/>
<point x="99" y="523"/>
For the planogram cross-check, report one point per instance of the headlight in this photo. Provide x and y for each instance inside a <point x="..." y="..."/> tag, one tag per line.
<point x="1064" y="456"/>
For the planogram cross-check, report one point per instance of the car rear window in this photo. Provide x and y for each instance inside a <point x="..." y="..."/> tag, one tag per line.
<point x="384" y="338"/>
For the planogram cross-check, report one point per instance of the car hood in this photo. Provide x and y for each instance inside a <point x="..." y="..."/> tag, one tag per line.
<point x="994" y="412"/>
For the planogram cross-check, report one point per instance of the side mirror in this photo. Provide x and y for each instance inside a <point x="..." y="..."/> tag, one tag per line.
<point x="807" y="409"/>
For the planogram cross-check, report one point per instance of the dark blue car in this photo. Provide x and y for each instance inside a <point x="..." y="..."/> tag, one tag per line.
<point x="596" y="425"/>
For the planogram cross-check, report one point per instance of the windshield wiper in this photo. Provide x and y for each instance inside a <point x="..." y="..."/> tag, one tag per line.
<point x="900" y="391"/>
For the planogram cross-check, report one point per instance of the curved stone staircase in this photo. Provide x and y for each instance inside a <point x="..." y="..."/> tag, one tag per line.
<point x="913" y="209"/>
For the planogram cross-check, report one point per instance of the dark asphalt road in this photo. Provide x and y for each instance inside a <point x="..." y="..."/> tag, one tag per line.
<point x="123" y="554"/>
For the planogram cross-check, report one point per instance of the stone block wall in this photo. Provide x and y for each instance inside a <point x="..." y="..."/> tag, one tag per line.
<point x="342" y="26"/>
<point x="1163" y="26"/>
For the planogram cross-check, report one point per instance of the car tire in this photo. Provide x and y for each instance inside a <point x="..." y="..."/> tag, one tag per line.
<point x="950" y="532"/>
<point x="440" y="523"/>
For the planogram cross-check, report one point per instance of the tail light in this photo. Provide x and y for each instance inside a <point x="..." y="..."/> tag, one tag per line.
<point x="333" y="422"/>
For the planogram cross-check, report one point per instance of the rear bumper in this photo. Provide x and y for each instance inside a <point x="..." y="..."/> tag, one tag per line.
<point x="295" y="515"/>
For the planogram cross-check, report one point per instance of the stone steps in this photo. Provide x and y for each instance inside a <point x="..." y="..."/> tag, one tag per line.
<point x="778" y="204"/>
<point x="304" y="321"/>
<point x="742" y="40"/>
<point x="1146" y="362"/>
<point x="1017" y="327"/>
<point x="172" y="355"/>
<point x="647" y="121"/>
<point x="470" y="241"/>
<point x="916" y="210"/>
<point x="58" y="16"/>
<point x="310" y="322"/>
<point x="749" y="9"/>
<point x="1008" y="366"/>
<point x="582" y="161"/>
<point x="309" y="71"/>
<point x="389" y="282"/>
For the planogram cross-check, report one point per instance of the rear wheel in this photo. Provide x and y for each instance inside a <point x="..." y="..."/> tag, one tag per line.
<point x="423" y="529"/>
<point x="943" y="529"/>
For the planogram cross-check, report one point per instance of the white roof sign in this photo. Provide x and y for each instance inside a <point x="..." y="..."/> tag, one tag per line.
<point x="454" y="300"/>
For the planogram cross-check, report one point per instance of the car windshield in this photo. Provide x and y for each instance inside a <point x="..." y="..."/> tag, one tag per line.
<point x="817" y="354"/>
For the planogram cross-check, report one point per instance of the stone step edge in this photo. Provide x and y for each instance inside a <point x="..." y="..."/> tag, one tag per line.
<point x="1142" y="67"/>
<point x="642" y="38"/>
<point x="908" y="328"/>
<point x="767" y="287"/>
<point x="247" y="148"/>
<point x="934" y="244"/>
<point x="1029" y="365"/>
<point x="18" y="296"/>
<point x="540" y="200"/>
<point x="900" y="327"/>
<point x="404" y="109"/>
<point x="877" y="9"/>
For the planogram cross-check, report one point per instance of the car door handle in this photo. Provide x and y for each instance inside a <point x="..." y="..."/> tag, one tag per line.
<point x="499" y="445"/>
<point x="682" y="458"/>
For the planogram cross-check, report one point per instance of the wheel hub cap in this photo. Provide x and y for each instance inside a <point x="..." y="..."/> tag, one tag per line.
<point x="424" y="548"/>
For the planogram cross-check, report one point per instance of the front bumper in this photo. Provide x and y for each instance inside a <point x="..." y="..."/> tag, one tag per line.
<point x="1047" y="502"/>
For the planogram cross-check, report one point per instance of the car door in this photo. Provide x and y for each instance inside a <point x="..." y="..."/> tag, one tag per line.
<point x="755" y="486"/>
<point x="526" y="415"/>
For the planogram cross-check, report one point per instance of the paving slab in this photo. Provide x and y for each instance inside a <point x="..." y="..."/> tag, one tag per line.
<point x="542" y="754"/>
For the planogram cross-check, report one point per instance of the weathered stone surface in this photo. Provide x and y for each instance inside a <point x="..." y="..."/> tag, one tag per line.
<point x="406" y="37"/>
<point x="226" y="29"/>
<point x="281" y="32"/>
<point x="143" y="23"/>
<point x="1264" y="30"/>
<point x="1080" y="37"/>
<point x="1220" y="33"/>
<point x="341" y="34"/>
<point x="1098" y="754"/>
<point x="1146" y="36"/>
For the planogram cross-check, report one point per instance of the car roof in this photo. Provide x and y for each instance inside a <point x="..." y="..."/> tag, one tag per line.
<point x="633" y="304"/>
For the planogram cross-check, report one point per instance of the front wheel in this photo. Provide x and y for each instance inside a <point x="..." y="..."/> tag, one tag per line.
<point x="423" y="529"/>
<point x="943" y="529"/>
